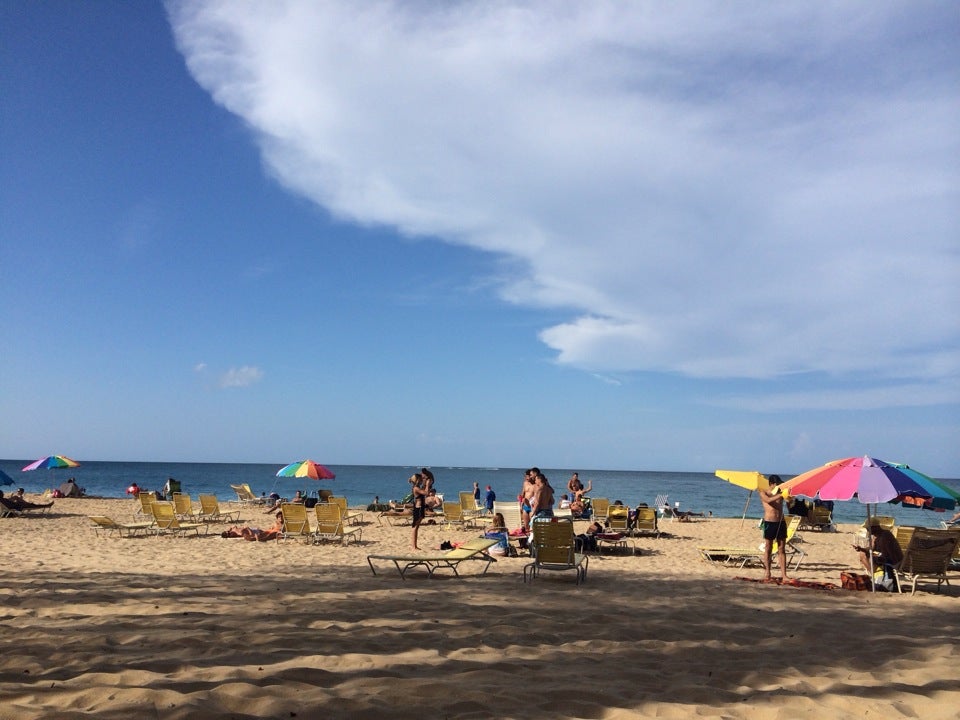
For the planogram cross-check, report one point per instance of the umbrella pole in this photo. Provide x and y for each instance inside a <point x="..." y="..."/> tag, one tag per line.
<point x="873" y="585"/>
<point x="745" y="506"/>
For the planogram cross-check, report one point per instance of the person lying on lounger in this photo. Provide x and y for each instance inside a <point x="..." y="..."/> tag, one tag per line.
<point x="16" y="502"/>
<point x="254" y="533"/>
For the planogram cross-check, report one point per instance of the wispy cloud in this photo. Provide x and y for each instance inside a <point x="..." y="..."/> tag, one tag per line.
<point x="872" y="398"/>
<point x="746" y="191"/>
<point x="241" y="377"/>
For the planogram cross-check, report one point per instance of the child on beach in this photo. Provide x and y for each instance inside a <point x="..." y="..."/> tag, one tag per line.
<point x="498" y="531"/>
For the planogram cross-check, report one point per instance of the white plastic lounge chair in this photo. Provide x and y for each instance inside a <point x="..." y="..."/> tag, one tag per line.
<point x="511" y="517"/>
<point x="476" y="549"/>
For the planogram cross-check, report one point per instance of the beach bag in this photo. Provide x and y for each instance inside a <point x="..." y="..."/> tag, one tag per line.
<point x="854" y="581"/>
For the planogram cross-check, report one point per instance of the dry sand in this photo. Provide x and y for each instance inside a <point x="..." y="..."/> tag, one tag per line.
<point x="214" y="628"/>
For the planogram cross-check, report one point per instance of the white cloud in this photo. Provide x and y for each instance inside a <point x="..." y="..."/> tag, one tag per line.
<point x="749" y="191"/>
<point x="241" y="376"/>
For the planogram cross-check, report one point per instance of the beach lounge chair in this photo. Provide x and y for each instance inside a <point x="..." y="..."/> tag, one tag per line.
<point x="183" y="507"/>
<point x="397" y="517"/>
<point x="618" y="531"/>
<point x="512" y="520"/>
<point x="453" y="514"/>
<point x="618" y="518"/>
<point x="599" y="507"/>
<point x="349" y="517"/>
<point x="210" y="511"/>
<point x="470" y="509"/>
<point x="818" y="518"/>
<point x="331" y="524"/>
<point x="8" y="510"/>
<point x="553" y="548"/>
<point x="296" y="523"/>
<point x="145" y="500"/>
<point x="563" y="513"/>
<point x="246" y="496"/>
<point x="675" y="513"/>
<point x="646" y="522"/>
<point x="475" y="549"/>
<point x="904" y="534"/>
<point x="166" y="521"/>
<point x="927" y="557"/>
<point x="511" y="513"/>
<point x="661" y="503"/>
<point x="109" y="525"/>
<point x="741" y="557"/>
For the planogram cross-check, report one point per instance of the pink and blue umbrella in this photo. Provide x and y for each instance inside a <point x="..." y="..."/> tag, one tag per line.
<point x="52" y="461"/>
<point x="307" y="468"/>
<point x="868" y="479"/>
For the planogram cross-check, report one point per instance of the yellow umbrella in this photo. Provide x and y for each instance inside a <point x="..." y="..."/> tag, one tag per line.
<point x="749" y="479"/>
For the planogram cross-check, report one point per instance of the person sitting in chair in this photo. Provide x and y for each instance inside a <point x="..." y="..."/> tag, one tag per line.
<point x="886" y="551"/>
<point x="17" y="502"/>
<point x="587" y="541"/>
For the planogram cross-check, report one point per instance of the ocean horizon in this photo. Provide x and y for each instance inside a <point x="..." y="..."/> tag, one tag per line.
<point x="363" y="484"/>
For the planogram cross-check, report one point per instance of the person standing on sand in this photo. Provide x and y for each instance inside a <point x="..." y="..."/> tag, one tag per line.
<point x="774" y="528"/>
<point x="541" y="505"/>
<point x="422" y="485"/>
<point x="527" y="491"/>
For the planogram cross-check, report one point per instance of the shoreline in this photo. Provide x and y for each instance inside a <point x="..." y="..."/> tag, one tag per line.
<point x="218" y="628"/>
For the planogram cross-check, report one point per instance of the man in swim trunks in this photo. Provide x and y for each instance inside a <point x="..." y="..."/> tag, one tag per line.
<point x="541" y="504"/>
<point x="774" y="527"/>
<point x="419" y="484"/>
<point x="527" y="492"/>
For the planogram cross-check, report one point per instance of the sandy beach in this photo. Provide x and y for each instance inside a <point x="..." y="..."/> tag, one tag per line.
<point x="223" y="628"/>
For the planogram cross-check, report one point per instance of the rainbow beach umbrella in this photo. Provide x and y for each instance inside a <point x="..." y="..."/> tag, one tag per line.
<point x="865" y="478"/>
<point x="306" y="468"/>
<point x="51" y="462"/>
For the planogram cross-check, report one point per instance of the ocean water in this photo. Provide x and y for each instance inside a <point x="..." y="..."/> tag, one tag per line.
<point x="360" y="484"/>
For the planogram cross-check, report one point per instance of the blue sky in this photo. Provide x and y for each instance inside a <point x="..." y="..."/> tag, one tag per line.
<point x="583" y="235"/>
